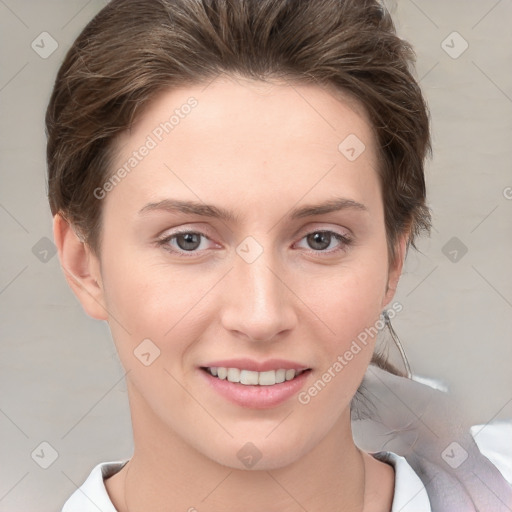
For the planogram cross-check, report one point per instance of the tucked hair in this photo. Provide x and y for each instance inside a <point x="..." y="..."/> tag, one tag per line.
<point x="133" y="49"/>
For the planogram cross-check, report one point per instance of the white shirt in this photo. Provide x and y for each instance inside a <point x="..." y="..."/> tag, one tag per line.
<point x="410" y="493"/>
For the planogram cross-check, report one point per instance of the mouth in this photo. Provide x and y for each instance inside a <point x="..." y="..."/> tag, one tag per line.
<point x="252" y="389"/>
<point x="254" y="378"/>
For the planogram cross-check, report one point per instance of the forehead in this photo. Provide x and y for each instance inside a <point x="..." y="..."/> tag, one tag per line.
<point x="237" y="105"/>
<point x="237" y="134"/>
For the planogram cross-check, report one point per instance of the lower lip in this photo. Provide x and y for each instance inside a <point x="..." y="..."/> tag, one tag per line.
<point x="256" y="397"/>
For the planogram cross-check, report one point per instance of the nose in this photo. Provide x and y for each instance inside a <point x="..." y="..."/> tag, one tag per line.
<point x="257" y="301"/>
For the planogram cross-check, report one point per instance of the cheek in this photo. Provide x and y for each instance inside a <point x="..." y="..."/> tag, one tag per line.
<point x="349" y="307"/>
<point x="138" y="291"/>
<point x="348" y="299"/>
<point x="150" y="301"/>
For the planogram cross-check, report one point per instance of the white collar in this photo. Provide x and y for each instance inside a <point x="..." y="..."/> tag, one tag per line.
<point x="409" y="494"/>
<point x="92" y="495"/>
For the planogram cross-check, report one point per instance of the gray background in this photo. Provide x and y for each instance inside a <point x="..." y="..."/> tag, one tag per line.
<point x="60" y="379"/>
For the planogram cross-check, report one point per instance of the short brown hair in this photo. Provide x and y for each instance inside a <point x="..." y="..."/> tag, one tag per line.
<point x="133" y="49"/>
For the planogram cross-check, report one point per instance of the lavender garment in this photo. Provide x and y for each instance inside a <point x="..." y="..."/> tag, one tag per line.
<point x="425" y="426"/>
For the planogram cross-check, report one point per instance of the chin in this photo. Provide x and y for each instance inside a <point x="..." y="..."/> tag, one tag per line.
<point x="260" y="454"/>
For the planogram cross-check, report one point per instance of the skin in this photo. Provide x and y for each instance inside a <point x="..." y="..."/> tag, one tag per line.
<point x="259" y="150"/>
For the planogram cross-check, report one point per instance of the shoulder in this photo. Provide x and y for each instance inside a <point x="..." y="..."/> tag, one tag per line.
<point x="494" y="448"/>
<point x="92" y="495"/>
<point x="459" y="466"/>
<point x="410" y="493"/>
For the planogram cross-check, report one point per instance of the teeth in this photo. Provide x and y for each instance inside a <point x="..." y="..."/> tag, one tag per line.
<point x="290" y="374"/>
<point x="267" y="378"/>
<point x="248" y="378"/>
<point x="280" y="376"/>
<point x="233" y="375"/>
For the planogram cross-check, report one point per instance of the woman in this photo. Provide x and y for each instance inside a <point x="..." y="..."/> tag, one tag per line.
<point x="235" y="185"/>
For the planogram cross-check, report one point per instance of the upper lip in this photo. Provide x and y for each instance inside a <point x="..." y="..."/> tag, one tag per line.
<point x="256" y="366"/>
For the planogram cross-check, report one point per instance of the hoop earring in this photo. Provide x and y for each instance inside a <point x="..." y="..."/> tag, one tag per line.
<point x="397" y="343"/>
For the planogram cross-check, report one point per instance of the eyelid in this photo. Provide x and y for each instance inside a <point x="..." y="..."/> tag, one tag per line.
<point x="344" y="239"/>
<point x="323" y="227"/>
<point x="165" y="239"/>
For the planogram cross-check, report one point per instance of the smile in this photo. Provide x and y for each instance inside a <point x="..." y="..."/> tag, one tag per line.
<point x="253" y="378"/>
<point x="253" y="389"/>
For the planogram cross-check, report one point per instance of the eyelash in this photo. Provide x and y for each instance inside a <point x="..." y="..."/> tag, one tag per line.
<point x="345" y="240"/>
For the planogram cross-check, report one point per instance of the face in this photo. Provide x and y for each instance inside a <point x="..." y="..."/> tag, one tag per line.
<point x="213" y="255"/>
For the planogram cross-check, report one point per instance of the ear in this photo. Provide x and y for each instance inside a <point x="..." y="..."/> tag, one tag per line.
<point x="395" y="271"/>
<point x="81" y="268"/>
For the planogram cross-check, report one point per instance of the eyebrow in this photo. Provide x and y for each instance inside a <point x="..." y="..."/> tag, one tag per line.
<point x="209" y="210"/>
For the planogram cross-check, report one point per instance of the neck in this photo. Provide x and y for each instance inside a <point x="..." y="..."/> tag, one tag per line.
<point x="166" y="470"/>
